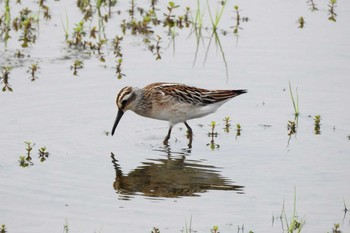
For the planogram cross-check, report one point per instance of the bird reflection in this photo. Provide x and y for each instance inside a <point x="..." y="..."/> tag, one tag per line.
<point x="170" y="177"/>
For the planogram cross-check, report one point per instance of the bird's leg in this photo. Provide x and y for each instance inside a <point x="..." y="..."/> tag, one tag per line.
<point x="165" y="142"/>
<point x="190" y="134"/>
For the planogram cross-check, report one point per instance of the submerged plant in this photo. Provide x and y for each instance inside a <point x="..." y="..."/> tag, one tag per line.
<point x="32" y="69"/>
<point x="331" y="12"/>
<point x="5" y="72"/>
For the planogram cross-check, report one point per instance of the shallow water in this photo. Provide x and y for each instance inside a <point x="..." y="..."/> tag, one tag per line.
<point x="243" y="181"/>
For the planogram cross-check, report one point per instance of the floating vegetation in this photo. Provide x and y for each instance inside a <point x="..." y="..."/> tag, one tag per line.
<point x="5" y="72"/>
<point x="77" y="65"/>
<point x="301" y="22"/>
<point x="32" y="69"/>
<point x="331" y="12"/>
<point x="317" y="128"/>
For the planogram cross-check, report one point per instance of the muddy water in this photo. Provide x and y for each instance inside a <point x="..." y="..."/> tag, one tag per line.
<point x="131" y="181"/>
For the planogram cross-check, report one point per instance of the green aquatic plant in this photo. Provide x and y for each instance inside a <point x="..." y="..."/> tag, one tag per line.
<point x="26" y="161"/>
<point x="238" y="20"/>
<point x="295" y="100"/>
<point x="3" y="229"/>
<point x="227" y="127"/>
<point x="295" y="224"/>
<point x="43" y="154"/>
<point x="212" y="132"/>
<point x="331" y="11"/>
<point x="5" y="72"/>
<point x="317" y="128"/>
<point x="32" y="69"/>
<point x="215" y="229"/>
<point x="77" y="65"/>
<point x="238" y="130"/>
<point x="66" y="226"/>
<point x="155" y="230"/>
<point x="312" y="5"/>
<point x="66" y="28"/>
<point x="155" y="49"/>
<point x="170" y="19"/>
<point x="5" y="22"/>
<point x="301" y="22"/>
<point x="336" y="228"/>
<point x="118" y="56"/>
<point x="218" y="15"/>
<point x="25" y="22"/>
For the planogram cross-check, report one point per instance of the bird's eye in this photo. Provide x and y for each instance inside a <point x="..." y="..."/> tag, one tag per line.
<point x="124" y="102"/>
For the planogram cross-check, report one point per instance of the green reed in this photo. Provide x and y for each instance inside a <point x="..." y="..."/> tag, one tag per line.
<point x="295" y="100"/>
<point x="218" y="15"/>
<point x="295" y="224"/>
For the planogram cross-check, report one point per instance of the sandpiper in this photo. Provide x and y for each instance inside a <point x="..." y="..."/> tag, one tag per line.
<point x="171" y="102"/>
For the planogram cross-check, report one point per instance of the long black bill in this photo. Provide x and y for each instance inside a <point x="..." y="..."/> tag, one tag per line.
<point x="117" y="119"/>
